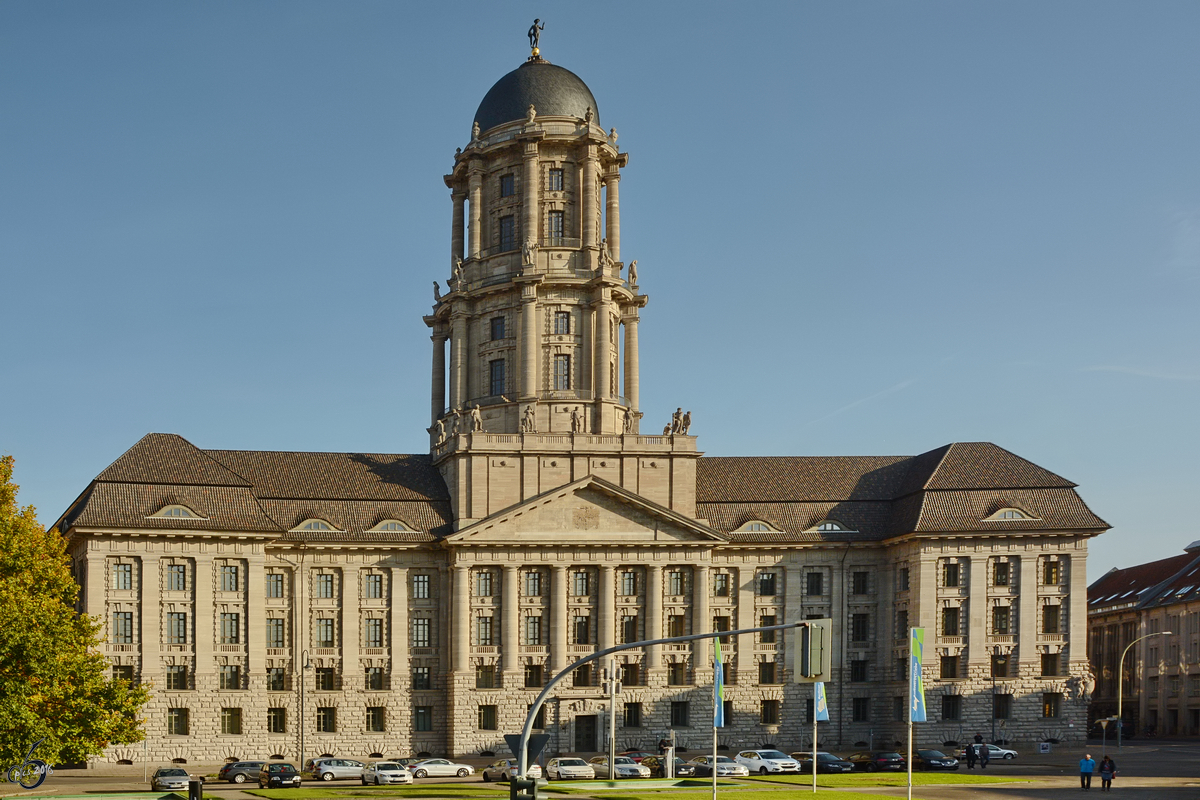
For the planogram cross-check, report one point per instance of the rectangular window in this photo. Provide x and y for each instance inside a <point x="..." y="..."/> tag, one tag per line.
<point x="483" y="584"/>
<point x="534" y="678"/>
<point x="483" y="631"/>
<point x="629" y="628"/>
<point x="675" y="582"/>
<point x="676" y="673"/>
<point x="508" y="185"/>
<point x="766" y="637"/>
<point x="808" y="711"/>
<point x="533" y="631"/>
<point x="372" y="633"/>
<point x="496" y="377"/>
<point x="766" y="672"/>
<point x="276" y="679"/>
<point x="508" y="233"/>
<point x="766" y="584"/>
<point x="176" y="578"/>
<point x="326" y="719"/>
<point x="376" y="719"/>
<point x="1152" y="685"/>
<point x="676" y="625"/>
<point x="633" y="716"/>
<point x="580" y="585"/>
<point x="815" y="583"/>
<point x="562" y="372"/>
<point x="950" y="621"/>
<point x="324" y="585"/>
<point x="899" y="709"/>
<point x="581" y="628"/>
<point x="231" y="628"/>
<point x="420" y="587"/>
<point x="274" y="584"/>
<point x="231" y="720"/>
<point x="721" y="624"/>
<point x="631" y="674"/>
<point x="177" y="677"/>
<point x="423" y="718"/>
<point x="420" y="632"/>
<point x="861" y="709"/>
<point x="373" y="587"/>
<point x="951" y="707"/>
<point x="177" y="721"/>
<point x="562" y="323"/>
<point x="421" y="679"/>
<point x="679" y="714"/>
<point x="769" y="712"/>
<point x="533" y="584"/>
<point x="554" y="179"/>
<point x="325" y="679"/>
<point x="951" y="573"/>
<point x="628" y="583"/>
<point x="858" y="670"/>
<point x="1002" y="706"/>
<point x="1001" y="620"/>
<point x="324" y="633"/>
<point x="721" y="584"/>
<point x="1050" y="664"/>
<point x="901" y="669"/>
<point x="231" y="676"/>
<point x="902" y="623"/>
<point x="1051" y="704"/>
<point x="276" y="720"/>
<point x="903" y="579"/>
<point x="949" y="668"/>
<point x="858" y="582"/>
<point x="554" y="227"/>
<point x="999" y="666"/>
<point x="582" y="676"/>
<point x="122" y="576"/>
<point x="1052" y="573"/>
<point x="122" y="627"/>
<point x="497" y="328"/>
<point x="229" y="578"/>
<point x="1000" y="576"/>
<point x="860" y="627"/>
<point x="1051" y="621"/>
<point x="177" y="632"/>
<point x="487" y="718"/>
<point x="122" y="672"/>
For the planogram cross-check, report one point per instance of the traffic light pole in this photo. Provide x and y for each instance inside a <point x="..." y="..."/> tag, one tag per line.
<point x="522" y="757"/>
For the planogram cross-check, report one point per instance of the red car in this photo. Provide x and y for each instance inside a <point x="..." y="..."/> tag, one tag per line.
<point x="637" y="755"/>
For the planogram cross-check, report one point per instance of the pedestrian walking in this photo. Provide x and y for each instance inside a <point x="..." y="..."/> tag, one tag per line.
<point x="1087" y="765"/>
<point x="1108" y="770"/>
<point x="984" y="755"/>
<point x="970" y="754"/>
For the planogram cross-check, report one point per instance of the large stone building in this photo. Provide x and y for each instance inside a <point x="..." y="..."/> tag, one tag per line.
<point x="1149" y="617"/>
<point x="422" y="601"/>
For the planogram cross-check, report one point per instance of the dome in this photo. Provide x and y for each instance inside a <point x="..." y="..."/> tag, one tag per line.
<point x="552" y="90"/>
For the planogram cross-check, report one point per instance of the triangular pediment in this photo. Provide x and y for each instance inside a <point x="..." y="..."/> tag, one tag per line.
<point x="589" y="511"/>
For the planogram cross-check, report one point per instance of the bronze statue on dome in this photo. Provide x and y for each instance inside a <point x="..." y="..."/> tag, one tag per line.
<point x="535" y="35"/>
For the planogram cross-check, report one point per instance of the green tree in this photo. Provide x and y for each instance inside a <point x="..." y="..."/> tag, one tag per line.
<point x="54" y="682"/>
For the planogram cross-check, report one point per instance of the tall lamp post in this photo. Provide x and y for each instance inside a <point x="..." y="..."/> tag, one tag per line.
<point x="999" y="661"/>
<point x="304" y="665"/>
<point x="1121" y="680"/>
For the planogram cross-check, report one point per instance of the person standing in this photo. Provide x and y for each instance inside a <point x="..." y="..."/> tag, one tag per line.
<point x="1087" y="766"/>
<point x="970" y="754"/>
<point x="984" y="755"/>
<point x="1108" y="769"/>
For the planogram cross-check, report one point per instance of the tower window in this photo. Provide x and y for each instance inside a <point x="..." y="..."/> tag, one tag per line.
<point x="554" y="228"/>
<point x="562" y="372"/>
<point x="497" y="328"/>
<point x="508" y="186"/>
<point x="508" y="233"/>
<point x="562" y="322"/>
<point x="554" y="180"/>
<point x="497" y="376"/>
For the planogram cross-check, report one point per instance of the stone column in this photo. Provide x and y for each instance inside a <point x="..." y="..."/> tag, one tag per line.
<point x="1026" y="660"/>
<point x="437" y="403"/>
<point x="529" y="342"/>
<point x="701" y="619"/>
<point x="608" y="607"/>
<point x="654" y="615"/>
<point x="456" y="227"/>
<point x="591" y="202"/>
<point x="632" y="392"/>
<point x="601" y="360"/>
<point x="458" y="359"/>
<point x="510" y="627"/>
<point x="588" y="336"/>
<point x="531" y="211"/>
<point x="398" y="629"/>
<point x="150" y="631"/>
<point x="475" y="194"/>
<point x="461" y="586"/>
<point x="612" y="213"/>
<point x="559" y="623"/>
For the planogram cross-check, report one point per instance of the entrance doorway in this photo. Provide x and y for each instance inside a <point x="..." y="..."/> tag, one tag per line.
<point x="585" y="734"/>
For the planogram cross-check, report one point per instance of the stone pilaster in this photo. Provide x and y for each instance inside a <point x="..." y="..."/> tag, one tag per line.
<point x="460" y="582"/>
<point x="608" y="597"/>
<point x="612" y="214"/>
<point x="256" y="619"/>
<point x="654" y="616"/>
<point x="398" y="629"/>
<point x="532" y="210"/>
<point x="458" y="198"/>
<point x="632" y="390"/>
<point x="475" y="195"/>
<point x="458" y="359"/>
<point x="701" y="618"/>
<point x="601" y="358"/>
<point x="151" y="620"/>
<point x="978" y="653"/>
<point x="559" y="623"/>
<point x="437" y="399"/>
<point x="202" y="623"/>
<point x="530" y="334"/>
<point x="793" y="611"/>
<point x="590" y="205"/>
<point x="351" y="613"/>
<point x="510" y="627"/>
<point x="1026" y="661"/>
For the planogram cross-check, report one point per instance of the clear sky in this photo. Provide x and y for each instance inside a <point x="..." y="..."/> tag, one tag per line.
<point x="865" y="227"/>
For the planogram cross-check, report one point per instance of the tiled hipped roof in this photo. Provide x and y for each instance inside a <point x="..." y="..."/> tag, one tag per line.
<point x="1157" y="583"/>
<point x="950" y="489"/>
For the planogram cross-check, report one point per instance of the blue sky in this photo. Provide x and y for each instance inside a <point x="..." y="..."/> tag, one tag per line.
<point x="865" y="227"/>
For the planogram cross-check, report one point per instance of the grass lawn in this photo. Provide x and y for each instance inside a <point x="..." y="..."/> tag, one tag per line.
<point x="450" y="790"/>
<point x="747" y="794"/>
<point x="885" y="779"/>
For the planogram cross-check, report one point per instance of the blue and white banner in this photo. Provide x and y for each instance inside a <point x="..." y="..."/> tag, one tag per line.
<point x="916" y="682"/>
<point x="820" y="704"/>
<point x="718" y="688"/>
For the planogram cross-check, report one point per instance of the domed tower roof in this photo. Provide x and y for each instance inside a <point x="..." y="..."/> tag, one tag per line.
<point x="551" y="90"/>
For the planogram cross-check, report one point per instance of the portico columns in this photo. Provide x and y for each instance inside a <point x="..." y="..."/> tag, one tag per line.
<point x="437" y="398"/>
<point x="459" y="199"/>
<point x="632" y="391"/>
<point x="591" y="201"/>
<point x="600" y="360"/>
<point x="475" y="194"/>
<point x="458" y="359"/>
<point x="529" y="342"/>
<point x="612" y="214"/>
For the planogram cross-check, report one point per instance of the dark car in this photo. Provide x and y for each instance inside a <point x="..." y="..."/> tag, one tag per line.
<point x="240" y="771"/>
<point x="933" y="759"/>
<point x="636" y="755"/>
<point x="826" y="762"/>
<point x="877" y="761"/>
<point x="657" y="764"/>
<point x="278" y="774"/>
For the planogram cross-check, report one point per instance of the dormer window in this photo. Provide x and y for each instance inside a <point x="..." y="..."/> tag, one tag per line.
<point x="829" y="526"/>
<point x="312" y="524"/>
<point x="756" y="526"/>
<point x="391" y="525"/>
<point x="175" y="512"/>
<point x="1007" y="515"/>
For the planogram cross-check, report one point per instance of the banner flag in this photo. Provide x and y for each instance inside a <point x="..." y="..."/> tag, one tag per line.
<point x="718" y="688"/>
<point x="916" y="681"/>
<point x="820" y="704"/>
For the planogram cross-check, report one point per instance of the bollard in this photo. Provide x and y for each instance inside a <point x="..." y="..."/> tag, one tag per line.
<point x="196" y="789"/>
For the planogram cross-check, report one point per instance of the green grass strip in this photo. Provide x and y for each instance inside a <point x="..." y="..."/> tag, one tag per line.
<point x="864" y="779"/>
<point x="449" y="790"/>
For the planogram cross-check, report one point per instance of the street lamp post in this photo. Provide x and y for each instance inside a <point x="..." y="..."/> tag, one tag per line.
<point x="1121" y="680"/>
<point x="998" y="660"/>
<point x="304" y="665"/>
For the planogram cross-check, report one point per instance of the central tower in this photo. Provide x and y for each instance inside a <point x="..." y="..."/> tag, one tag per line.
<point x="540" y="314"/>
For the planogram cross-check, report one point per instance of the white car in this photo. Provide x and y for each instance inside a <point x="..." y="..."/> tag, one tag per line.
<point x="569" y="769"/>
<point x="625" y="767"/>
<point x="435" y="767"/>
<point x="726" y="767"/>
<point x="506" y="769"/>
<point x="767" y="761"/>
<point x="382" y="772"/>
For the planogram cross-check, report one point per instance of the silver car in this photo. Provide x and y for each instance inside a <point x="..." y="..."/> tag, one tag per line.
<point x="328" y="769"/>
<point x="569" y="769"/>
<point x="726" y="767"/>
<point x="382" y="772"/>
<point x="169" y="779"/>
<point x="506" y="768"/>
<point x="767" y="761"/>
<point x="624" y="767"/>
